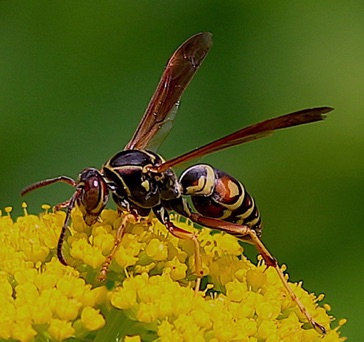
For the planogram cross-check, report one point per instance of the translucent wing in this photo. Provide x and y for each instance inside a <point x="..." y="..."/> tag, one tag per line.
<point x="182" y="66"/>
<point x="253" y="132"/>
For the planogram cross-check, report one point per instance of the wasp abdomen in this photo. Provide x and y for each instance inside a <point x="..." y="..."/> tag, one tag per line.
<point x="216" y="194"/>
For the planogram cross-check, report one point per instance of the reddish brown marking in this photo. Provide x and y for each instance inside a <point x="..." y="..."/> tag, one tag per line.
<point x="223" y="189"/>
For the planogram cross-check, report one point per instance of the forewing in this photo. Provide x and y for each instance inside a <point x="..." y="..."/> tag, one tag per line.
<point x="253" y="132"/>
<point x="181" y="67"/>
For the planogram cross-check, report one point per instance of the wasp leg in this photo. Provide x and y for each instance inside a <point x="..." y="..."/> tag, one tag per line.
<point x="247" y="234"/>
<point x="69" y="204"/>
<point x="180" y="233"/>
<point x="62" y="205"/>
<point x="128" y="218"/>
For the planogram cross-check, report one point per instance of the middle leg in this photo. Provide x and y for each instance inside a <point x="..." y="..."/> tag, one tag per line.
<point x="163" y="216"/>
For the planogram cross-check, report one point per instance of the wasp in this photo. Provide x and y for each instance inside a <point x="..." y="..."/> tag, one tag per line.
<point x="141" y="182"/>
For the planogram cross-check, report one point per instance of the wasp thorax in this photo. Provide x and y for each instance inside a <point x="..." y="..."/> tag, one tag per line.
<point x="169" y="186"/>
<point x="131" y="179"/>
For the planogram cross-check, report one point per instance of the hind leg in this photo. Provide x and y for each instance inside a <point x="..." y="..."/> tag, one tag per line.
<point x="245" y="233"/>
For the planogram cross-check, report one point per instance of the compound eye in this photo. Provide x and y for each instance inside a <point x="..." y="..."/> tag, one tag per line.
<point x="94" y="195"/>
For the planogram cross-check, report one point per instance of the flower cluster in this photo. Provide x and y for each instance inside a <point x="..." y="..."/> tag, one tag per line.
<point x="149" y="291"/>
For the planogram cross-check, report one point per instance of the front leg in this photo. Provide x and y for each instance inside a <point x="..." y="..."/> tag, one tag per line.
<point x="130" y="217"/>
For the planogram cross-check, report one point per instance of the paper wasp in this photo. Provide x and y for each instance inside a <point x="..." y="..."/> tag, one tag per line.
<point x="140" y="181"/>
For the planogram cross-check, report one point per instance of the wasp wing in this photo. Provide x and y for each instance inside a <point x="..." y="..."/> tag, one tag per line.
<point x="182" y="66"/>
<point x="253" y="132"/>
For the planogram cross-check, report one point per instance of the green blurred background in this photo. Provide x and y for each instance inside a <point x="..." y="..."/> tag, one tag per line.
<point x="75" y="78"/>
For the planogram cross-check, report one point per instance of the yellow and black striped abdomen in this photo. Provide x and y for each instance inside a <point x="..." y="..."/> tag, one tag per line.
<point x="216" y="194"/>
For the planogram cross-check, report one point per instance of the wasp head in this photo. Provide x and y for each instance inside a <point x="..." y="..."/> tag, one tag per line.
<point x="93" y="196"/>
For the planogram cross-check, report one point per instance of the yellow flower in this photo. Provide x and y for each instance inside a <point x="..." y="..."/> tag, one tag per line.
<point x="92" y="319"/>
<point x="149" y="291"/>
<point x="60" y="329"/>
<point x="157" y="250"/>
